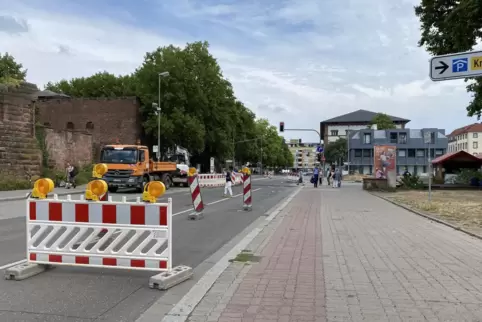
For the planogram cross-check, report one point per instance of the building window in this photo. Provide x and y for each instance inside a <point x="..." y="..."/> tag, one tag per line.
<point x="70" y="126"/>
<point x="402" y="138"/>
<point x="393" y="137"/>
<point x="411" y="153"/>
<point x="367" y="153"/>
<point x="358" y="153"/>
<point x="89" y="126"/>
<point x="439" y="152"/>
<point x="475" y="135"/>
<point x="334" y="132"/>
<point x="402" y="153"/>
<point x="367" y="138"/>
<point x="420" y="153"/>
<point x="475" y="145"/>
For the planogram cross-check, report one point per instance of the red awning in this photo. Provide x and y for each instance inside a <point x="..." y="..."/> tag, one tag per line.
<point x="456" y="155"/>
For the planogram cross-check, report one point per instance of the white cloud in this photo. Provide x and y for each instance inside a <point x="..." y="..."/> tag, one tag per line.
<point x="298" y="61"/>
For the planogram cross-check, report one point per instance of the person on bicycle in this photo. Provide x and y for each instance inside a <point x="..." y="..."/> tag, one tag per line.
<point x="71" y="173"/>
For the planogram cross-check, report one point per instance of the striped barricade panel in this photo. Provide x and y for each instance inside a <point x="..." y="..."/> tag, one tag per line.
<point x="124" y="235"/>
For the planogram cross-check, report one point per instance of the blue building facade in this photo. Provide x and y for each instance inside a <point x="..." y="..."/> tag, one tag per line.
<point x="412" y="151"/>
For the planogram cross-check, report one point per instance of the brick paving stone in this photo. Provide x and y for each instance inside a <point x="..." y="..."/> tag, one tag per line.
<point x="345" y="255"/>
<point x="288" y="283"/>
<point x="383" y="263"/>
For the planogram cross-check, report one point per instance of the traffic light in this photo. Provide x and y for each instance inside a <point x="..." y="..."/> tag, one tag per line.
<point x="318" y="157"/>
<point x="281" y="126"/>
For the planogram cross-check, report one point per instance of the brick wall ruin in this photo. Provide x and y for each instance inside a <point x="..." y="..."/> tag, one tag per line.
<point x="74" y="146"/>
<point x="107" y="119"/>
<point x="20" y="155"/>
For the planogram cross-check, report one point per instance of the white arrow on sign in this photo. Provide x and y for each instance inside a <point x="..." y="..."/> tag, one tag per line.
<point x="454" y="66"/>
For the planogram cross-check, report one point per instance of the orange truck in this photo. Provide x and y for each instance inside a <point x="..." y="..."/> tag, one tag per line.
<point x="130" y="166"/>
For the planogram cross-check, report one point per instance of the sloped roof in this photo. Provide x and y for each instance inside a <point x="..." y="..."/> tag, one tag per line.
<point x="455" y="155"/>
<point x="361" y="116"/>
<point x="47" y="93"/>
<point x="475" y="127"/>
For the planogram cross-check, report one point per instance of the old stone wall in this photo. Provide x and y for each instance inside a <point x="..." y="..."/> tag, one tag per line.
<point x="20" y="155"/>
<point x="73" y="146"/>
<point x="107" y="119"/>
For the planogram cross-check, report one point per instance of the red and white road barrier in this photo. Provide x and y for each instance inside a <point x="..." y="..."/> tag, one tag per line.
<point x="100" y="234"/>
<point x="151" y="224"/>
<point x="197" y="200"/>
<point x="293" y="176"/>
<point x="218" y="180"/>
<point x="247" y="192"/>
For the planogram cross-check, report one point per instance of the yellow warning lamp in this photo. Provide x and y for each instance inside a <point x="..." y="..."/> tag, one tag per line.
<point x="95" y="189"/>
<point x="99" y="170"/>
<point x="191" y="172"/>
<point x="153" y="190"/>
<point x="42" y="187"/>
<point x="246" y="171"/>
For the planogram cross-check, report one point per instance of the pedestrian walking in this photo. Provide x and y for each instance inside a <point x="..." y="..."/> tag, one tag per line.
<point x="321" y="177"/>
<point x="336" y="178"/>
<point x="316" y="173"/>
<point x="228" y="184"/>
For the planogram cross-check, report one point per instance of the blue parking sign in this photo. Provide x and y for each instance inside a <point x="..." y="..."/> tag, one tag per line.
<point x="460" y="65"/>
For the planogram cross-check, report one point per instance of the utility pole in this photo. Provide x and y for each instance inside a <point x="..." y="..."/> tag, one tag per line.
<point x="163" y="74"/>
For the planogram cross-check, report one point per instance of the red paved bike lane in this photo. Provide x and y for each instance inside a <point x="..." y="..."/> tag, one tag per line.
<point x="287" y="284"/>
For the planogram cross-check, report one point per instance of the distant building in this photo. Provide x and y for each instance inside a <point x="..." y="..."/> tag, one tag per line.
<point x="335" y="128"/>
<point x="467" y="138"/>
<point x="412" y="151"/>
<point x="304" y="154"/>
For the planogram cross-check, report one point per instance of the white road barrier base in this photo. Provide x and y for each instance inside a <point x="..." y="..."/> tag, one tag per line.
<point x="166" y="280"/>
<point x="24" y="271"/>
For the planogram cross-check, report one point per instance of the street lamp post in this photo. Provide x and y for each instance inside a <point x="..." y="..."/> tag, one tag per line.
<point x="158" y="109"/>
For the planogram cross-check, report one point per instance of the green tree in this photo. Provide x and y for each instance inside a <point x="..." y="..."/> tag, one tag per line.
<point x="98" y="85"/>
<point x="450" y="26"/>
<point x="11" y="72"/>
<point x="336" y="152"/>
<point x="383" y="122"/>
<point x="198" y="108"/>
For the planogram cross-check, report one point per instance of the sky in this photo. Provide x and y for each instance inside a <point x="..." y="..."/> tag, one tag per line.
<point x="296" y="61"/>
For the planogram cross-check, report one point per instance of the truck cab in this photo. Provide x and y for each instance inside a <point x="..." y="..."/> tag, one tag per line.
<point x="128" y="166"/>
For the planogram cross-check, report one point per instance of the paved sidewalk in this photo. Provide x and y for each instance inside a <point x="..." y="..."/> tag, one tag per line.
<point x="287" y="284"/>
<point x="345" y="255"/>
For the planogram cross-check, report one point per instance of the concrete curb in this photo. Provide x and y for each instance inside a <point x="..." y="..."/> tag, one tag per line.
<point x="16" y="198"/>
<point x="440" y="221"/>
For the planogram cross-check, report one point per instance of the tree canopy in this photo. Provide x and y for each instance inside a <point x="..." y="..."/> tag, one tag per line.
<point x="11" y="72"/>
<point x="382" y="121"/>
<point x="450" y="26"/>
<point x="336" y="152"/>
<point x="199" y="110"/>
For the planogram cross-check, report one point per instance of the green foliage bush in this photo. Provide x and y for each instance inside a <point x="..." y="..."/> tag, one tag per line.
<point x="411" y="182"/>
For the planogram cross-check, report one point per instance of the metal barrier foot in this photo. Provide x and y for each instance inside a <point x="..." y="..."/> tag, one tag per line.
<point x="247" y="207"/>
<point x="166" y="280"/>
<point x="196" y="216"/>
<point x="24" y="271"/>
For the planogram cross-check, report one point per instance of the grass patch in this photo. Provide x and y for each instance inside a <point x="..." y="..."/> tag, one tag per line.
<point x="459" y="207"/>
<point x="246" y="256"/>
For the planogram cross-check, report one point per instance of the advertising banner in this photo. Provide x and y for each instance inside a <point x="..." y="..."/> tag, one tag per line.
<point x="385" y="163"/>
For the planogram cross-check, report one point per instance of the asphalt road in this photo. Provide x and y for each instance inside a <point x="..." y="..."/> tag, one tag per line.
<point x="82" y="294"/>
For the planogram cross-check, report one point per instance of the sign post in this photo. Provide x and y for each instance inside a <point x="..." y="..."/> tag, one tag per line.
<point x="455" y="66"/>
<point x="427" y="137"/>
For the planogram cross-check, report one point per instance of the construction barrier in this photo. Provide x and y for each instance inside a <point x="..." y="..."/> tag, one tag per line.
<point x="66" y="232"/>
<point x="247" y="193"/>
<point x="197" y="201"/>
<point x="218" y="180"/>
<point x="100" y="234"/>
<point x="293" y="177"/>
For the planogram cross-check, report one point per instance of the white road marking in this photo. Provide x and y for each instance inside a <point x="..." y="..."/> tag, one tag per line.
<point x="12" y="264"/>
